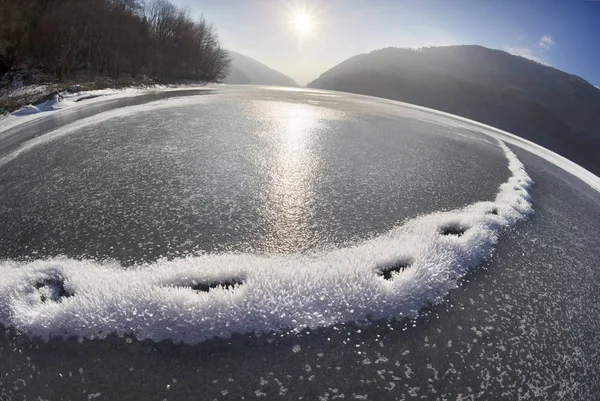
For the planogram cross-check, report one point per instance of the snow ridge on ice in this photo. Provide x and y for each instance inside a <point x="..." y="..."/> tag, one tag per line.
<point x="197" y="298"/>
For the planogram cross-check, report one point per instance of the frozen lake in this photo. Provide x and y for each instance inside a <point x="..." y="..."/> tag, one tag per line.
<point x="323" y="216"/>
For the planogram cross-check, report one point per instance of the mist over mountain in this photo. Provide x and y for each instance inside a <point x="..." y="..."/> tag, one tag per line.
<point x="248" y="71"/>
<point x="557" y="110"/>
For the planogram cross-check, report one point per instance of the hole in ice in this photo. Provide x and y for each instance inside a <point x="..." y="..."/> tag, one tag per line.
<point x="52" y="290"/>
<point x="388" y="271"/>
<point x="493" y="211"/>
<point x="453" y="229"/>
<point x="206" y="286"/>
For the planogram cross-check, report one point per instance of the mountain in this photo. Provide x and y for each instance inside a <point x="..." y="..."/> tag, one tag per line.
<point x="557" y="110"/>
<point x="246" y="70"/>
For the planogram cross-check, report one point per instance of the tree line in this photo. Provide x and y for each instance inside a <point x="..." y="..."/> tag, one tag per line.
<point x="109" y="38"/>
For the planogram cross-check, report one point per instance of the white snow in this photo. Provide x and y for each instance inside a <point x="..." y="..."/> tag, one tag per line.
<point x="64" y="297"/>
<point x="55" y="103"/>
<point x="30" y="113"/>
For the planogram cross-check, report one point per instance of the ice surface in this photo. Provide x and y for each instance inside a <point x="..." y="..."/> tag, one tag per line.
<point x="31" y="113"/>
<point x="451" y="120"/>
<point x="196" y="298"/>
<point x="76" y="126"/>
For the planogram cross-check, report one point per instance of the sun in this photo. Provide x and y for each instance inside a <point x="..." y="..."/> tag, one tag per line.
<point x="302" y="19"/>
<point x="302" y="22"/>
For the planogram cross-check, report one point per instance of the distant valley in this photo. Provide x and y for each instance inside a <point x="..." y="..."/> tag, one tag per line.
<point x="245" y="70"/>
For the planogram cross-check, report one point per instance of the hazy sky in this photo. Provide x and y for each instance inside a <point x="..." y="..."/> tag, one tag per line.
<point x="565" y="35"/>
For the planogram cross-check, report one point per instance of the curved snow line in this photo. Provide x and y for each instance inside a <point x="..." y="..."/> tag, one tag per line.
<point x="181" y="299"/>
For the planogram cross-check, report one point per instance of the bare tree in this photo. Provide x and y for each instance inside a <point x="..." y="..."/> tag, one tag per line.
<point x="109" y="37"/>
<point x="13" y="32"/>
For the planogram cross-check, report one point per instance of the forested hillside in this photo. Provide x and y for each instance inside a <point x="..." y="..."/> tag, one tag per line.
<point x="62" y="39"/>
<point x="550" y="107"/>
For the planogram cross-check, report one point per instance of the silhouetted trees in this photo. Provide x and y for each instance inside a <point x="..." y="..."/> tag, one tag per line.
<point x="109" y="37"/>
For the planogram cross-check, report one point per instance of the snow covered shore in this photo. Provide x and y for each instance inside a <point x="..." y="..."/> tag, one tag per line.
<point x="75" y="98"/>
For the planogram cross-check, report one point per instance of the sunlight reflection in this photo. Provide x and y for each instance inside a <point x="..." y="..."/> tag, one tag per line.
<point x="292" y="133"/>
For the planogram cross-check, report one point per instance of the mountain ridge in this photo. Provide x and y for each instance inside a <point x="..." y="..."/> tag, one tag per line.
<point x="535" y="101"/>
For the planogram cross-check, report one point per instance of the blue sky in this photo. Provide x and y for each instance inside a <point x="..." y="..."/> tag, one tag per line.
<point x="565" y="35"/>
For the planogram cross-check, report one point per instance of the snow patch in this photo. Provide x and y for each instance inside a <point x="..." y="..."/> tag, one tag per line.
<point x="27" y="110"/>
<point x="56" y="102"/>
<point x="196" y="298"/>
